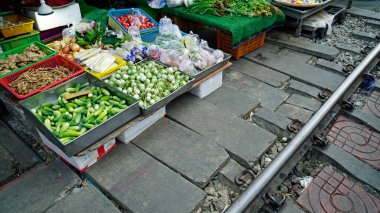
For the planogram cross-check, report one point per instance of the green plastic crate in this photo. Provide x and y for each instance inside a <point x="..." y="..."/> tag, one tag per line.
<point x="49" y="53"/>
<point x="9" y="44"/>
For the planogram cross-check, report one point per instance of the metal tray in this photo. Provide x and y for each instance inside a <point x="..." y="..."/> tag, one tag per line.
<point x="91" y="136"/>
<point x="212" y="68"/>
<point x="167" y="99"/>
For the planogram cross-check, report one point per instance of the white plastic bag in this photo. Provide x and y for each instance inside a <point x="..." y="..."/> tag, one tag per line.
<point x="320" y="20"/>
<point x="174" y="3"/>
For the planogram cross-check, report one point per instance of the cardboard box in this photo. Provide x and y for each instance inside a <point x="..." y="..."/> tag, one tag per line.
<point x="84" y="159"/>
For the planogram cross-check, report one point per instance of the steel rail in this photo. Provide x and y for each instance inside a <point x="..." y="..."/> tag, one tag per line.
<point x="259" y="184"/>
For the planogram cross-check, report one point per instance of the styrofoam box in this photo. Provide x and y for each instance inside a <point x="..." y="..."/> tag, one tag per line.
<point x="81" y="163"/>
<point x="141" y="126"/>
<point x="61" y="17"/>
<point x="207" y="87"/>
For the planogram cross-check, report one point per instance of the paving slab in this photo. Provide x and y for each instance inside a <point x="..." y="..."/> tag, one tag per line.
<point x="312" y="104"/>
<point x="274" y="122"/>
<point x="260" y="73"/>
<point x="330" y="191"/>
<point x="293" y="63"/>
<point x="356" y="168"/>
<point x="348" y="48"/>
<point x="229" y="172"/>
<point x="268" y="96"/>
<point x="373" y="104"/>
<point x="301" y="44"/>
<point x="86" y="199"/>
<point x="232" y="100"/>
<point x="139" y="183"/>
<point x="244" y="141"/>
<point x="330" y="66"/>
<point x="295" y="112"/>
<point x="303" y="89"/>
<point x="366" y="118"/>
<point x="356" y="139"/>
<point x="371" y="37"/>
<point x="368" y="14"/>
<point x="6" y="170"/>
<point x="38" y="189"/>
<point x="373" y="23"/>
<point x="17" y="149"/>
<point x="194" y="156"/>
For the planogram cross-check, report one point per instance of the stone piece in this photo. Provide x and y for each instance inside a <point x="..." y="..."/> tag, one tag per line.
<point x="293" y="64"/>
<point x="304" y="102"/>
<point x="302" y="45"/>
<point x="268" y="96"/>
<point x="272" y="121"/>
<point x="86" y="199"/>
<point x="244" y="141"/>
<point x="38" y="189"/>
<point x="232" y="100"/>
<point x="197" y="158"/>
<point x="295" y="112"/>
<point x="140" y="183"/>
<point x="303" y="89"/>
<point x="260" y="73"/>
<point x="229" y="172"/>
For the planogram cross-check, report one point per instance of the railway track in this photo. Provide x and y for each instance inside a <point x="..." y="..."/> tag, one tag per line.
<point x="247" y="146"/>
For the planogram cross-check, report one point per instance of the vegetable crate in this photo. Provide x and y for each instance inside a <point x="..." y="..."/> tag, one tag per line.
<point x="51" y="62"/>
<point x="91" y="136"/>
<point x="114" y="24"/>
<point x="49" y="53"/>
<point x="224" y="43"/>
<point x="18" y="29"/>
<point x="9" y="44"/>
<point x="120" y="62"/>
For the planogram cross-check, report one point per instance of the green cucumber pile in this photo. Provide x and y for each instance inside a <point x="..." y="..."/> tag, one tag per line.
<point x="148" y="81"/>
<point x="69" y="119"/>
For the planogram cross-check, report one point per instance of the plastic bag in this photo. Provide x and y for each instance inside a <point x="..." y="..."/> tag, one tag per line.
<point x="157" y="4"/>
<point x="219" y="55"/>
<point x="178" y="58"/>
<point x="320" y="20"/>
<point x="165" y="25"/>
<point x="134" y="32"/>
<point x="174" y="3"/>
<point x="68" y="34"/>
<point x="154" y="52"/>
<point x="191" y="40"/>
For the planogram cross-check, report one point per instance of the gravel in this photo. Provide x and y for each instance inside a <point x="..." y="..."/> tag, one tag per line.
<point x="218" y="198"/>
<point x="341" y="33"/>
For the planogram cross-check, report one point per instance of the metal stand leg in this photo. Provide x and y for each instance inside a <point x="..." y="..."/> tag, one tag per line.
<point x="299" y="28"/>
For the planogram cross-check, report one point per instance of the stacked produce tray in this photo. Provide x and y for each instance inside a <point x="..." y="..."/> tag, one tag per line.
<point x="164" y="101"/>
<point x="49" y="53"/>
<point x="90" y="136"/>
<point x="11" y="43"/>
<point x="50" y="62"/>
<point x="114" y="24"/>
<point x="25" y="27"/>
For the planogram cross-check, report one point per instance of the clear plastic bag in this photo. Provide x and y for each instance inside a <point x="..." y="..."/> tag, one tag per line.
<point x="157" y="4"/>
<point x="174" y="3"/>
<point x="134" y="32"/>
<point x="190" y="40"/>
<point x="178" y="58"/>
<point x="165" y="25"/>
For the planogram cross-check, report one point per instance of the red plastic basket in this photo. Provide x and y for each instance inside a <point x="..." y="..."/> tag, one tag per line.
<point x="54" y="61"/>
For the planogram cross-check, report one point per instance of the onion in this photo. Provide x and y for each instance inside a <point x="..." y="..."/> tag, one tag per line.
<point x="73" y="40"/>
<point x="75" y="47"/>
<point x="66" y="50"/>
<point x="75" y="53"/>
<point x="69" y="56"/>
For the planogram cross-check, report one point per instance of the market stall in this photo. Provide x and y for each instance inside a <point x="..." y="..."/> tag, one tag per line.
<point x="105" y="79"/>
<point x="241" y="26"/>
